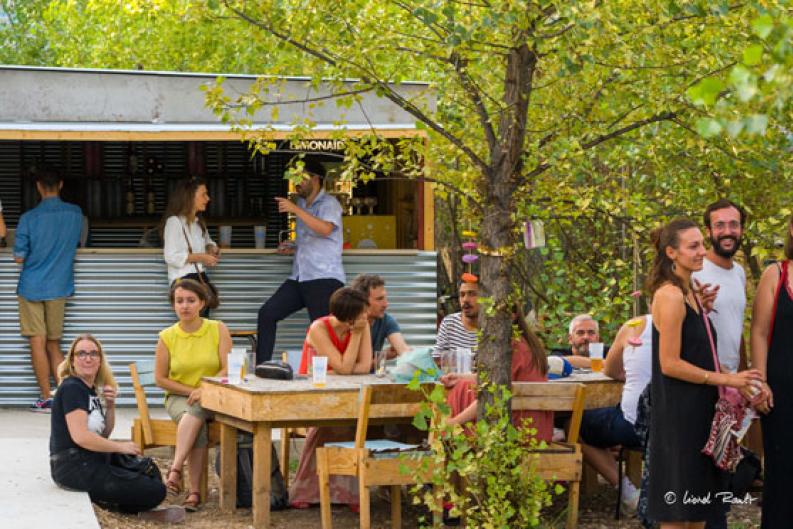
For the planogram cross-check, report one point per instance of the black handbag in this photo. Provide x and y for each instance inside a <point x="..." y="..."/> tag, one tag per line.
<point x="274" y="369"/>
<point x="139" y="465"/>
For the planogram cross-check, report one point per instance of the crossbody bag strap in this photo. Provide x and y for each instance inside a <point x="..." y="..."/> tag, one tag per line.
<point x="779" y="286"/>
<point x="190" y="249"/>
<point x="706" y="320"/>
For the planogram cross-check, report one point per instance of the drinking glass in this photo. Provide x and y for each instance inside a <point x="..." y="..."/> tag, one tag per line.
<point x="596" y="356"/>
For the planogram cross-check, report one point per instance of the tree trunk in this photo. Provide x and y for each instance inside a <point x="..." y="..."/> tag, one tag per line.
<point x="498" y="231"/>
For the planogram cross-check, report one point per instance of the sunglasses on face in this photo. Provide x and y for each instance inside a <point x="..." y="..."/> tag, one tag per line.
<point x="86" y="354"/>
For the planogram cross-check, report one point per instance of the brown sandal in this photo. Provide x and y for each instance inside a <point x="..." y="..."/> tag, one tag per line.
<point x="192" y="501"/>
<point x="174" y="486"/>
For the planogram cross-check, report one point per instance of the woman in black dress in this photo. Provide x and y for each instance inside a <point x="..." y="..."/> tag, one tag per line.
<point x="772" y="345"/>
<point x="684" y="484"/>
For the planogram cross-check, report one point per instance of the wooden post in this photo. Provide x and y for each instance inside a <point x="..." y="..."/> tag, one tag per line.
<point x="228" y="468"/>
<point x="262" y="467"/>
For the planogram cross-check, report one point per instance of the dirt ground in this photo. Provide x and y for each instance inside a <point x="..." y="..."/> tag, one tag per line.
<point x="596" y="512"/>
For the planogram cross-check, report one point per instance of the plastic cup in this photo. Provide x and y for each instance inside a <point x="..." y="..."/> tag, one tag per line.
<point x="596" y="356"/>
<point x="236" y="365"/>
<point x="225" y="236"/>
<point x="463" y="360"/>
<point x="259" y="236"/>
<point x="319" y="371"/>
<point x="380" y="358"/>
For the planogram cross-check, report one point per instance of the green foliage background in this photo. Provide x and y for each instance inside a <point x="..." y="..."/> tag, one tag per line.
<point x="724" y="69"/>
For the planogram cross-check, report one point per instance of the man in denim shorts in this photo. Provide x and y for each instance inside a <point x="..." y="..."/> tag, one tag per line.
<point x="46" y="243"/>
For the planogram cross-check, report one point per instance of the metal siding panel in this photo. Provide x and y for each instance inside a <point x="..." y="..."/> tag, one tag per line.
<point x="122" y="300"/>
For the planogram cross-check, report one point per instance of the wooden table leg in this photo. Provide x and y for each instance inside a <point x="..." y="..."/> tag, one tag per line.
<point x="228" y="468"/>
<point x="262" y="467"/>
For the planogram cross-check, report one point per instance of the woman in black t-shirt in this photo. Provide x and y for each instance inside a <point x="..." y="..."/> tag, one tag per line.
<point x="80" y="448"/>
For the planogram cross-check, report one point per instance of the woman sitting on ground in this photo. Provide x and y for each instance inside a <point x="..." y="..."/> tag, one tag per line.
<point x="529" y="364"/>
<point x="81" y="453"/>
<point x="343" y="337"/>
<point x="187" y="351"/>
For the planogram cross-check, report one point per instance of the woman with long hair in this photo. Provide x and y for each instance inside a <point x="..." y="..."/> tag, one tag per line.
<point x="81" y="451"/>
<point x="772" y="342"/>
<point x="187" y="247"/>
<point x="187" y="351"/>
<point x="529" y="364"/>
<point x="683" y="482"/>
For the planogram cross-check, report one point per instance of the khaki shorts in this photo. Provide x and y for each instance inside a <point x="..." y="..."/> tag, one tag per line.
<point x="177" y="406"/>
<point x="41" y="318"/>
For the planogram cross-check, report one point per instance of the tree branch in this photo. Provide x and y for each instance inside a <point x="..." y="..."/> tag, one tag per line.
<point x="663" y="116"/>
<point x="473" y="94"/>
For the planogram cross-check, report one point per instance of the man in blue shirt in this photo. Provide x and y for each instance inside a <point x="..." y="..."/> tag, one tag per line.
<point x="383" y="326"/>
<point x="317" y="270"/>
<point x="46" y="242"/>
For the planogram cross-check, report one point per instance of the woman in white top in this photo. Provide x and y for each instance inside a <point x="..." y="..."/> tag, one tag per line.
<point x="630" y="360"/>
<point x="182" y="221"/>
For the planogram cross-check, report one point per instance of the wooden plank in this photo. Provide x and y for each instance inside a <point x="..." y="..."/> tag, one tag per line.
<point x="262" y="465"/>
<point x="228" y="468"/>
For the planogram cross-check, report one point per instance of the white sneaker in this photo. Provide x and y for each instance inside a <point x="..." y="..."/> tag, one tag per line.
<point x="630" y="496"/>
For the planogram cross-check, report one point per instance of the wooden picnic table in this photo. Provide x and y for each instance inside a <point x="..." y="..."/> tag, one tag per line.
<point x="259" y="405"/>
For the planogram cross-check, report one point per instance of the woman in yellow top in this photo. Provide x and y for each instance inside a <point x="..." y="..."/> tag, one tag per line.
<point x="188" y="350"/>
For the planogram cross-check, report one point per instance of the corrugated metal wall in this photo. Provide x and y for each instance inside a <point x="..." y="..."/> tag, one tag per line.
<point x="121" y="298"/>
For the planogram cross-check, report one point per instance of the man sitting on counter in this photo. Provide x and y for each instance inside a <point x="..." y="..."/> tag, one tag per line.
<point x="317" y="270"/>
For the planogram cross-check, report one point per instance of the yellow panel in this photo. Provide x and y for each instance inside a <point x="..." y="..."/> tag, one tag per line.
<point x="361" y="231"/>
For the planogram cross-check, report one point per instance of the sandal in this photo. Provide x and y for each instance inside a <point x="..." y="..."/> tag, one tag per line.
<point x="192" y="501"/>
<point x="174" y="486"/>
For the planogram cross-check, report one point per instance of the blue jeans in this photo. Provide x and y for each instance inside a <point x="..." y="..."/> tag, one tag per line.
<point x="607" y="427"/>
<point x="290" y="297"/>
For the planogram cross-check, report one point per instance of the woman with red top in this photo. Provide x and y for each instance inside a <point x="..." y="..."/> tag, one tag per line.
<point x="529" y="364"/>
<point x="772" y="344"/>
<point x="343" y="337"/>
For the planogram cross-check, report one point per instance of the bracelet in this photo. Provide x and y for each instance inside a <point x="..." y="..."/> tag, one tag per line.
<point x="707" y="376"/>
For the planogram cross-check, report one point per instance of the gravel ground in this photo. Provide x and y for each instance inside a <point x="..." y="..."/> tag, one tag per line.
<point x="596" y="512"/>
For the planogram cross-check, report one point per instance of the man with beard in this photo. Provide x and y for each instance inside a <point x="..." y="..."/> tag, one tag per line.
<point x="724" y="221"/>
<point x="383" y="326"/>
<point x="584" y="330"/>
<point x="460" y="329"/>
<point x="317" y="270"/>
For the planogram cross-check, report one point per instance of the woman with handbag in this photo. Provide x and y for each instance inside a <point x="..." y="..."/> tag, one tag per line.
<point x="684" y="482"/>
<point x="82" y="456"/>
<point x="187" y="351"/>
<point x="772" y="342"/>
<point x="187" y="247"/>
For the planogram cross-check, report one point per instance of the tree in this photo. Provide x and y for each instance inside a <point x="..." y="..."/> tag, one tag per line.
<point x="610" y="110"/>
<point x="525" y="89"/>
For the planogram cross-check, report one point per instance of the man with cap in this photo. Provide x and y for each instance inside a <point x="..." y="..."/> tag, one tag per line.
<point x="317" y="270"/>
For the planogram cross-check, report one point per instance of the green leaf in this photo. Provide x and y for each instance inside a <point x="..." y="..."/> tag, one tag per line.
<point x="756" y="124"/>
<point x="420" y="422"/>
<point x="708" y="127"/>
<point x="706" y="91"/>
<point x="752" y="55"/>
<point x="763" y="25"/>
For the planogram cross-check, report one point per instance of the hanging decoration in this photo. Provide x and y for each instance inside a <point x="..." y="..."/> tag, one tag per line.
<point x="469" y="257"/>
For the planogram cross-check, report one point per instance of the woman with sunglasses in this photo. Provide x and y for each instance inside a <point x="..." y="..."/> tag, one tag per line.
<point x="80" y="444"/>
<point x="187" y="351"/>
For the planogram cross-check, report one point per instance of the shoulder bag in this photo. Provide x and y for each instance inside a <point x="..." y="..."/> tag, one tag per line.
<point x="722" y="445"/>
<point x="213" y="300"/>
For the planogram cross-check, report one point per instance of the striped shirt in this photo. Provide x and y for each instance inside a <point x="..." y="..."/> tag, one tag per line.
<point x="452" y="334"/>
